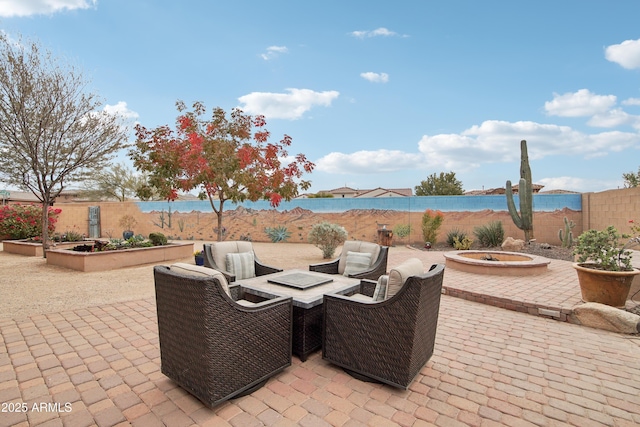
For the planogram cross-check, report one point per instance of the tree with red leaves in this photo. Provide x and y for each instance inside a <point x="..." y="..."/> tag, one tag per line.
<point x="224" y="158"/>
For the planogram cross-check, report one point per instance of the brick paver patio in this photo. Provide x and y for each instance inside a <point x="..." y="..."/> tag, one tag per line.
<point x="492" y="366"/>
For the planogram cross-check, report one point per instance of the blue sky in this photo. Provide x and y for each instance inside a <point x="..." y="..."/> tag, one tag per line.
<point x="376" y="93"/>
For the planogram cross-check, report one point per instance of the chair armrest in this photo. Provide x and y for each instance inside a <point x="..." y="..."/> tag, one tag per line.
<point x="262" y="269"/>
<point x="330" y="267"/>
<point x="262" y="302"/>
<point x="368" y="287"/>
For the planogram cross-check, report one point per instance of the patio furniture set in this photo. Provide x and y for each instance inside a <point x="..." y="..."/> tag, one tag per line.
<point x="226" y="327"/>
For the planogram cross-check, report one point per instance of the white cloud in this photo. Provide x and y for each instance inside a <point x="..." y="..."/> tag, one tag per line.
<point x="625" y="54"/>
<point x="273" y="51"/>
<point x="378" y="32"/>
<point x="612" y="118"/>
<point x="579" y="104"/>
<point x="291" y="105"/>
<point x="375" y="77"/>
<point x="580" y="185"/>
<point x="631" y="101"/>
<point x="367" y="162"/>
<point x="121" y="109"/>
<point x="492" y="141"/>
<point x="11" y="8"/>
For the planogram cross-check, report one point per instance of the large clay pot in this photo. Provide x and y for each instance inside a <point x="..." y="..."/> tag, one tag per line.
<point x="604" y="287"/>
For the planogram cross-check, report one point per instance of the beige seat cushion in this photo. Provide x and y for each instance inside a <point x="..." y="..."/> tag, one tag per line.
<point x="357" y="246"/>
<point x="245" y="303"/>
<point x="400" y="274"/>
<point x="380" y="292"/>
<point x="199" y="271"/>
<point x="219" y="251"/>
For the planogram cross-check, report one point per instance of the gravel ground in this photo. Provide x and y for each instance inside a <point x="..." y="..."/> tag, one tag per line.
<point x="29" y="286"/>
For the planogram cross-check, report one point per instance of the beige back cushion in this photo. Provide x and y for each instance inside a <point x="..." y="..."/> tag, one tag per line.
<point x="357" y="246"/>
<point x="199" y="271"/>
<point x="400" y="274"/>
<point x="219" y="251"/>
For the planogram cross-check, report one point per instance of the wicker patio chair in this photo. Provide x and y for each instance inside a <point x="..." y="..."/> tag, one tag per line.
<point x="214" y="346"/>
<point x="215" y="257"/>
<point x="377" y="266"/>
<point x="387" y="341"/>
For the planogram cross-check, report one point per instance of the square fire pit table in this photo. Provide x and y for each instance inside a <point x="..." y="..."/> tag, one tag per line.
<point x="307" y="289"/>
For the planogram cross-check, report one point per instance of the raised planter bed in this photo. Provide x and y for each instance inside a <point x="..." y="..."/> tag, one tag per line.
<point x="112" y="260"/>
<point x="22" y="247"/>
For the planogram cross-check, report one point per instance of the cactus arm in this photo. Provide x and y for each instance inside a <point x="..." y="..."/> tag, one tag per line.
<point x="512" y="207"/>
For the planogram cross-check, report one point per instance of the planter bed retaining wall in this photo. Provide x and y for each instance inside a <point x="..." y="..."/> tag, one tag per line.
<point x="112" y="260"/>
<point x="22" y="247"/>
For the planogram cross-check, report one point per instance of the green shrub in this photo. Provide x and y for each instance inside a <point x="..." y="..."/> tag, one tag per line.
<point x="402" y="230"/>
<point x="453" y="234"/>
<point x="490" y="235"/>
<point x="158" y="239"/>
<point x="278" y="234"/>
<point x="431" y="222"/>
<point x="327" y="237"/>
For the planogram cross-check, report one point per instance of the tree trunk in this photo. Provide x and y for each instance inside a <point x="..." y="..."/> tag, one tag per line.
<point x="219" y="215"/>
<point x="45" y="228"/>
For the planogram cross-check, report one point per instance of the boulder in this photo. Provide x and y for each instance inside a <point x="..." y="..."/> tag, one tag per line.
<point x="605" y="317"/>
<point x="512" y="245"/>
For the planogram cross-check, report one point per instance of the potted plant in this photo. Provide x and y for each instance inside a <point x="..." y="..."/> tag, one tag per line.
<point x="199" y="257"/>
<point x="604" y="267"/>
<point x="127" y="222"/>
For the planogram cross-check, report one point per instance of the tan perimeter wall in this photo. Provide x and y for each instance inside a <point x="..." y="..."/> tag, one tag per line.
<point x="613" y="207"/>
<point x="361" y="224"/>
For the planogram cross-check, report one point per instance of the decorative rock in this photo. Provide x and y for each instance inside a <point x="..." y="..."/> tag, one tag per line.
<point x="512" y="245"/>
<point x="605" y="317"/>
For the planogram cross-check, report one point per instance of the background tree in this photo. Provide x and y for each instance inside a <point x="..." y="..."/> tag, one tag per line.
<point x="51" y="133"/>
<point x="445" y="184"/>
<point x="118" y="182"/>
<point x="631" y="179"/>
<point x="224" y="158"/>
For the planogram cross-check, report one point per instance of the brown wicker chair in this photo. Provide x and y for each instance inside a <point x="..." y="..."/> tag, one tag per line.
<point x="214" y="347"/>
<point x="214" y="257"/>
<point x="387" y="341"/>
<point x="337" y="266"/>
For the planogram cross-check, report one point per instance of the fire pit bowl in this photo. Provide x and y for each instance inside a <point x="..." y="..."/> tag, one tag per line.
<point x="498" y="263"/>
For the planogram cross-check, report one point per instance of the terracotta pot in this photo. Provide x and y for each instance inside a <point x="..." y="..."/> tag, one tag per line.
<point x="604" y="287"/>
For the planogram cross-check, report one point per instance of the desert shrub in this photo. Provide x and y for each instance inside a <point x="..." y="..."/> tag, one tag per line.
<point x="402" y="230"/>
<point x="453" y="234"/>
<point x="278" y="234"/>
<point x="462" y="245"/>
<point x="158" y="239"/>
<point x="327" y="237"/>
<point x="73" y="235"/>
<point x="431" y="222"/>
<point x="490" y="235"/>
<point x="25" y="221"/>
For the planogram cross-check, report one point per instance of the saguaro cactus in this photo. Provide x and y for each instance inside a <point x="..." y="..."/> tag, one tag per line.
<point x="524" y="221"/>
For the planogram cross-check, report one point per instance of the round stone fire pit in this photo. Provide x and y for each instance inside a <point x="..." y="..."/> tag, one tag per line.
<point x="496" y="262"/>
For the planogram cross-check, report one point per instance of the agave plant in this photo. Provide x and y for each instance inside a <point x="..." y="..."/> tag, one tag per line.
<point x="278" y="234"/>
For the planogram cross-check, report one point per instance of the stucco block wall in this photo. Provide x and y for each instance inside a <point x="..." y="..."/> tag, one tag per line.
<point x="612" y="207"/>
